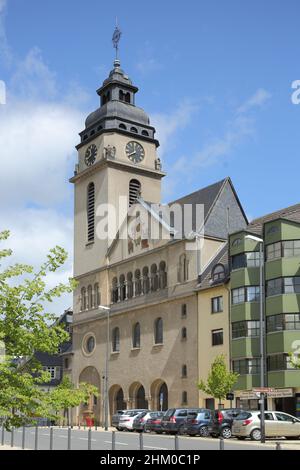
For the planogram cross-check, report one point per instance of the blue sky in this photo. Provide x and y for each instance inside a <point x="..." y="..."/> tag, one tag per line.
<point x="214" y="76"/>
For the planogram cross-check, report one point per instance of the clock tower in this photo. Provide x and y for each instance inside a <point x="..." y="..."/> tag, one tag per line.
<point x="117" y="159"/>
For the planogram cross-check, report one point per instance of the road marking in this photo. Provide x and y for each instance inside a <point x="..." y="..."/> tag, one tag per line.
<point x="160" y="448"/>
<point x="119" y="443"/>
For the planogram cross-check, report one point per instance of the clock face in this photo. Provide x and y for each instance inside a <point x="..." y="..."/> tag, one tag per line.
<point x="135" y="152"/>
<point x="90" y="154"/>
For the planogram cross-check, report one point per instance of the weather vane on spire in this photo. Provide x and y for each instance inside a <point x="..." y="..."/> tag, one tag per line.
<point x="116" y="38"/>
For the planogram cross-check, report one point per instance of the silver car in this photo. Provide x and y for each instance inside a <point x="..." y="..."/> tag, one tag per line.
<point x="277" y="424"/>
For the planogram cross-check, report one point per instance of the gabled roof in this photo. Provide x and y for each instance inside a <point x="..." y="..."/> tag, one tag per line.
<point x="291" y="213"/>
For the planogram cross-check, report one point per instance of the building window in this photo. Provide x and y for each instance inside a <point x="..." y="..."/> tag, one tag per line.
<point x="286" y="285"/>
<point x="53" y="371"/>
<point x="252" y="294"/>
<point x="134" y="191"/>
<point x="122" y="287"/>
<point x="183" y="269"/>
<point x="183" y="311"/>
<point x="236" y="242"/>
<point x="291" y="248"/>
<point x="158" y="331"/>
<point x="273" y="251"/>
<point x="253" y="259"/>
<point x="146" y="280"/>
<point x="217" y="304"/>
<point x="91" y="212"/>
<point x="145" y="133"/>
<point x="90" y="344"/>
<point x="279" y="362"/>
<point x="90" y="297"/>
<point x="246" y="366"/>
<point x="122" y="126"/>
<point x="133" y="129"/>
<point x="238" y="295"/>
<point x="66" y="363"/>
<point x="116" y="340"/>
<point x="115" y="290"/>
<point x="217" y="337"/>
<point x="183" y="333"/>
<point x="162" y="275"/>
<point x="138" y="282"/>
<point x="218" y="273"/>
<point x="83" y="299"/>
<point x="243" y="329"/>
<point x="154" y="278"/>
<point x="288" y="321"/>
<point x="136" y="336"/>
<point x="129" y="285"/>
<point x="97" y="297"/>
<point x="184" y="371"/>
<point x="238" y="261"/>
<point x="184" y="400"/>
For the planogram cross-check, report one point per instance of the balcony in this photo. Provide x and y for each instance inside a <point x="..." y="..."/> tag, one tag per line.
<point x="245" y="347"/>
<point x="282" y="267"/>
<point x="282" y="341"/>
<point x="282" y="303"/>
<point x="284" y="378"/>
<point x="245" y="311"/>
<point x="244" y="277"/>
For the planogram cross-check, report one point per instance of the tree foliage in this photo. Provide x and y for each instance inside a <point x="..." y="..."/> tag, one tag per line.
<point x="25" y="327"/>
<point x="219" y="381"/>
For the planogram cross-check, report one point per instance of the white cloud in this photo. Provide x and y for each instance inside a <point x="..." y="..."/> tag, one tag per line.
<point x="258" y="99"/>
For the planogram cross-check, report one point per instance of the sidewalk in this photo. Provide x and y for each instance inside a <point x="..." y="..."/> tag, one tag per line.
<point x="11" y="448"/>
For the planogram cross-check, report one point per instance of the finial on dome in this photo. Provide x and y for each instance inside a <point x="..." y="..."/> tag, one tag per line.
<point x="115" y="39"/>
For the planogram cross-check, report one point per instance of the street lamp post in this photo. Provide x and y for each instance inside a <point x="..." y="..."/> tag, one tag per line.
<point x="106" y="401"/>
<point x="261" y="335"/>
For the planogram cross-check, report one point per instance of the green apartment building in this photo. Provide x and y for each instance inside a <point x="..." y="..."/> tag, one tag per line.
<point x="280" y="232"/>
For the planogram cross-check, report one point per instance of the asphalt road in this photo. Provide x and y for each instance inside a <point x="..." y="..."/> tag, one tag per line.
<point x="101" y="440"/>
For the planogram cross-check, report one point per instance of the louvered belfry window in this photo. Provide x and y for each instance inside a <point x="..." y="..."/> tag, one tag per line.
<point x="91" y="212"/>
<point x="134" y="191"/>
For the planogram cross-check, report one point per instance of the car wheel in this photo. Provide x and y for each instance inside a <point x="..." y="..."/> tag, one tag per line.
<point x="203" y="431"/>
<point x="226" y="433"/>
<point x="255" y="435"/>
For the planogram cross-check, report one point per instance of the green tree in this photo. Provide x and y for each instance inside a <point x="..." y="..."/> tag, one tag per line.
<point x="66" y="396"/>
<point x="25" y="327"/>
<point x="219" y="381"/>
<point x="295" y="360"/>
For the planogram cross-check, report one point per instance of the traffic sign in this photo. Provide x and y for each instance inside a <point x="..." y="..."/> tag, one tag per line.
<point x="230" y="396"/>
<point x="263" y="390"/>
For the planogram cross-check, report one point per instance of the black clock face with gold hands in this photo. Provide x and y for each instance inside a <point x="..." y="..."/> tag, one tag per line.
<point x="90" y="154"/>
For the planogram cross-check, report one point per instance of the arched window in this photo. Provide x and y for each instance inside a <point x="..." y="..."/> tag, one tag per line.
<point x="115" y="290"/>
<point x="121" y="95"/>
<point x="218" y="273"/>
<point x="122" y="287"/>
<point x="90" y="297"/>
<point x="136" y="336"/>
<point x="91" y="212"/>
<point x="129" y="286"/>
<point x="134" y="191"/>
<point x="162" y="275"/>
<point x="127" y="97"/>
<point x="122" y="126"/>
<point x="116" y="339"/>
<point x="145" y="133"/>
<point x="133" y="129"/>
<point x="83" y="299"/>
<point x="97" y="297"/>
<point x="183" y="269"/>
<point x="138" y="282"/>
<point x="158" y="331"/>
<point x="184" y="398"/>
<point x="183" y="333"/>
<point x="154" y="278"/>
<point x="146" y="282"/>
<point x="184" y="371"/>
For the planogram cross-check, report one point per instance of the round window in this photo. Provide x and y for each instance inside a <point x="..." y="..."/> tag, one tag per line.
<point x="90" y="344"/>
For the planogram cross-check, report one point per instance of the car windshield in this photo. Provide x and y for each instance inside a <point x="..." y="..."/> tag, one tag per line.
<point x="132" y="413"/>
<point x="169" y="412"/>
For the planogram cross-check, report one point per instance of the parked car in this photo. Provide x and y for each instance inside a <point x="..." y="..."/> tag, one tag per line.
<point x="198" y="422"/>
<point x="222" y="422"/>
<point x="153" y="424"/>
<point x="141" y="420"/>
<point x="277" y="424"/>
<point x="174" y="419"/>
<point x="126" y="420"/>
<point x="116" y="418"/>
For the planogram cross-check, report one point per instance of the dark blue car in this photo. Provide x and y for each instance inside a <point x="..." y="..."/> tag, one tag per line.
<point x="198" y="423"/>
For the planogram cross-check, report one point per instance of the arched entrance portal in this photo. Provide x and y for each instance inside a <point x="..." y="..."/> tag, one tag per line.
<point x="160" y="394"/>
<point x="137" y="396"/>
<point x="116" y="399"/>
<point x="91" y="409"/>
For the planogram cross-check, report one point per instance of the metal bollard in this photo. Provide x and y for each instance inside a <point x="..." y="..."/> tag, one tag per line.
<point x="2" y="436"/>
<point x="176" y="442"/>
<point x="221" y="443"/>
<point x="278" y="446"/>
<point x="51" y="438"/>
<point x="23" y="437"/>
<point x="12" y="435"/>
<point x="36" y="438"/>
<point x="69" y="438"/>
<point x="113" y="440"/>
<point x="89" y="439"/>
<point x="141" y="441"/>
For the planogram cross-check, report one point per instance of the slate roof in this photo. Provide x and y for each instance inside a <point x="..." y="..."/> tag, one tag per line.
<point x="290" y="213"/>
